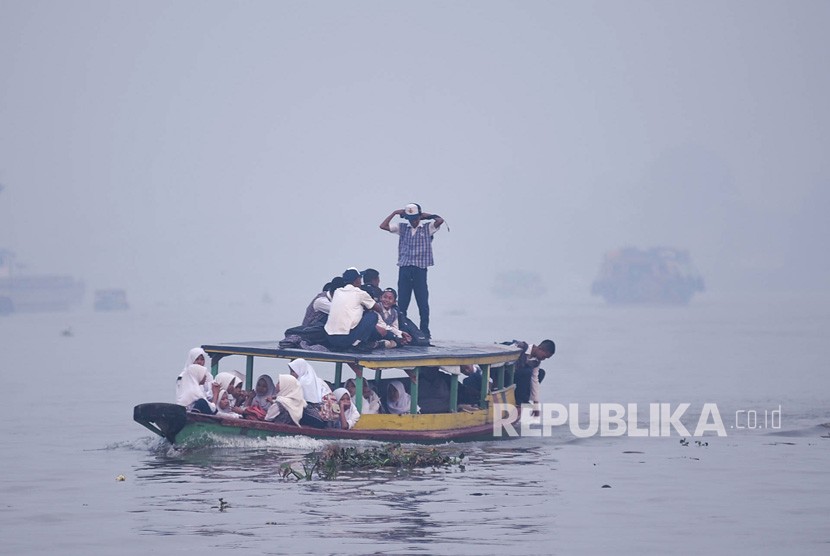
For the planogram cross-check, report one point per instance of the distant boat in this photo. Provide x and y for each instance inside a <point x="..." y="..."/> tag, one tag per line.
<point x="660" y="275"/>
<point x="111" y="300"/>
<point x="35" y="292"/>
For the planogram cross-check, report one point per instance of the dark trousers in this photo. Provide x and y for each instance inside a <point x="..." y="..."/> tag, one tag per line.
<point x="414" y="279"/>
<point x="202" y="406"/>
<point x="365" y="331"/>
<point x="522" y="379"/>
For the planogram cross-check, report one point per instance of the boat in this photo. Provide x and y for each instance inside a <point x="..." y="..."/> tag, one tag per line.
<point x="457" y="423"/>
<point x="111" y="300"/>
<point x="660" y="275"/>
<point x="21" y="292"/>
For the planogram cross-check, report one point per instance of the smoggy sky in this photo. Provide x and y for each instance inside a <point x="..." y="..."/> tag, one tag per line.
<point x="227" y="149"/>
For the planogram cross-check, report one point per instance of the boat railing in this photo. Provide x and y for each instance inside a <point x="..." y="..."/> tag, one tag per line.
<point x="503" y="373"/>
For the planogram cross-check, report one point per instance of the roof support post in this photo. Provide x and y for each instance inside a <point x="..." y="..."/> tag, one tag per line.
<point x="358" y="389"/>
<point x="453" y="394"/>
<point x="249" y="372"/>
<point x="500" y="377"/>
<point x="338" y="374"/>
<point x="413" y="393"/>
<point x="485" y="385"/>
<point x="511" y="369"/>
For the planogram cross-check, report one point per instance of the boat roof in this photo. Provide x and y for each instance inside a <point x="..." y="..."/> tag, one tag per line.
<point x="441" y="353"/>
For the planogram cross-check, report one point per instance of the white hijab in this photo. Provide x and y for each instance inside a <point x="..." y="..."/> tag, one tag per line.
<point x="402" y="405"/>
<point x="290" y="398"/>
<point x="314" y="388"/>
<point x="226" y="380"/>
<point x="227" y="413"/>
<point x="353" y="414"/>
<point x="189" y="387"/>
<point x="193" y="354"/>
<point x="371" y="405"/>
<point x="261" y="400"/>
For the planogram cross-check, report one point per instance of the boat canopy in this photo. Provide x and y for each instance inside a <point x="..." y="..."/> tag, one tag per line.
<point x="440" y="354"/>
<point x="443" y="354"/>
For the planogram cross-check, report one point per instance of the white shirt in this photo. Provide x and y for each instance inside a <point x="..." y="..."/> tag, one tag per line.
<point x="347" y="307"/>
<point x="395" y="228"/>
<point x="534" y="379"/>
<point x="322" y="304"/>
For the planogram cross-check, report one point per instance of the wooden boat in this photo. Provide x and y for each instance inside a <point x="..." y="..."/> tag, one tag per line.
<point x="457" y="423"/>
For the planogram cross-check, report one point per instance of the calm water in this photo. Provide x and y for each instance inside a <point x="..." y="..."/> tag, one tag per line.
<point x="67" y="433"/>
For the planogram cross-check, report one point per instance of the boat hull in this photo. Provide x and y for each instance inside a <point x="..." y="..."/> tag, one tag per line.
<point x="179" y="426"/>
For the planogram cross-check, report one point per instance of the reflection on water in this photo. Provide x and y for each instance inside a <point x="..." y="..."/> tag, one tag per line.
<point x="501" y="492"/>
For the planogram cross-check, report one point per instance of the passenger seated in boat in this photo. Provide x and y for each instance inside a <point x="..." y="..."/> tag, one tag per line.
<point x="353" y="318"/>
<point x="317" y="311"/>
<point x="190" y="391"/>
<point x="347" y="413"/>
<point x="389" y="317"/>
<point x="232" y="383"/>
<point x="434" y="390"/>
<point x="528" y="376"/>
<point x="351" y="387"/>
<point x="398" y="401"/>
<point x="263" y="393"/>
<point x="225" y="407"/>
<point x="371" y="400"/>
<point x="289" y="403"/>
<point x="469" y="391"/>
<point x="371" y="283"/>
<point x="197" y="356"/>
<point x="316" y="393"/>
<point x="314" y="387"/>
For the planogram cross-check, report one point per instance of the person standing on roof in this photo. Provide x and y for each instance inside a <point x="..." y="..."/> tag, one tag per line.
<point x="414" y="257"/>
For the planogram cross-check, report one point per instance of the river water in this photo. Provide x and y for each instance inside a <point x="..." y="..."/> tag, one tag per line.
<point x="67" y="433"/>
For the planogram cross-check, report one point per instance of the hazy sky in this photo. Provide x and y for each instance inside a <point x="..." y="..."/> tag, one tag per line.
<point x="226" y="149"/>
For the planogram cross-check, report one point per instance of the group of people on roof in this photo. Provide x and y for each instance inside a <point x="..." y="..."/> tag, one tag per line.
<point x="352" y="312"/>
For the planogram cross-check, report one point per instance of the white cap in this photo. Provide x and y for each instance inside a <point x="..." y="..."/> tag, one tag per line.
<point x="412" y="209"/>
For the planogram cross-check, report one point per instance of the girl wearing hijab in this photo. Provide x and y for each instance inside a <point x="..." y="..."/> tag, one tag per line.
<point x="397" y="400"/>
<point x="190" y="391"/>
<point x="289" y="403"/>
<point x="371" y="401"/>
<point x="314" y="388"/>
<point x="225" y="407"/>
<point x="348" y="413"/>
<point x="316" y="392"/>
<point x="263" y="394"/>
<point x="197" y="356"/>
<point x="232" y="384"/>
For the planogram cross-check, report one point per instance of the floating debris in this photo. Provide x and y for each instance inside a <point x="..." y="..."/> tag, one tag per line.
<point x="121" y="478"/>
<point x="334" y="459"/>
<point x="606" y="486"/>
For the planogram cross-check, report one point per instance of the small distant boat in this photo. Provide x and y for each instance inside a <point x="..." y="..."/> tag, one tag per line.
<point x="111" y="300"/>
<point x="21" y="292"/>
<point x="177" y="425"/>
<point x="661" y="275"/>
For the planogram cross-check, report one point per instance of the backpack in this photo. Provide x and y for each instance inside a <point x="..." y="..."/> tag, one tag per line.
<point x="418" y="337"/>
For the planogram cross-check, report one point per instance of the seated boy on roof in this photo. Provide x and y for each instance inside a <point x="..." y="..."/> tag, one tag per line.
<point x="353" y="318"/>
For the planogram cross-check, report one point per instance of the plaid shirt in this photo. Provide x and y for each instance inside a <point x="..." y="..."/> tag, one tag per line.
<point x="414" y="250"/>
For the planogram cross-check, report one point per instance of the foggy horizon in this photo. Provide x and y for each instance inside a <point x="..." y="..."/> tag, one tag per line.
<point x="228" y="150"/>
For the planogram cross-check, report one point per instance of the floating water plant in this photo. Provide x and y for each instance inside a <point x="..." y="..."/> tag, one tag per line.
<point x="334" y="459"/>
